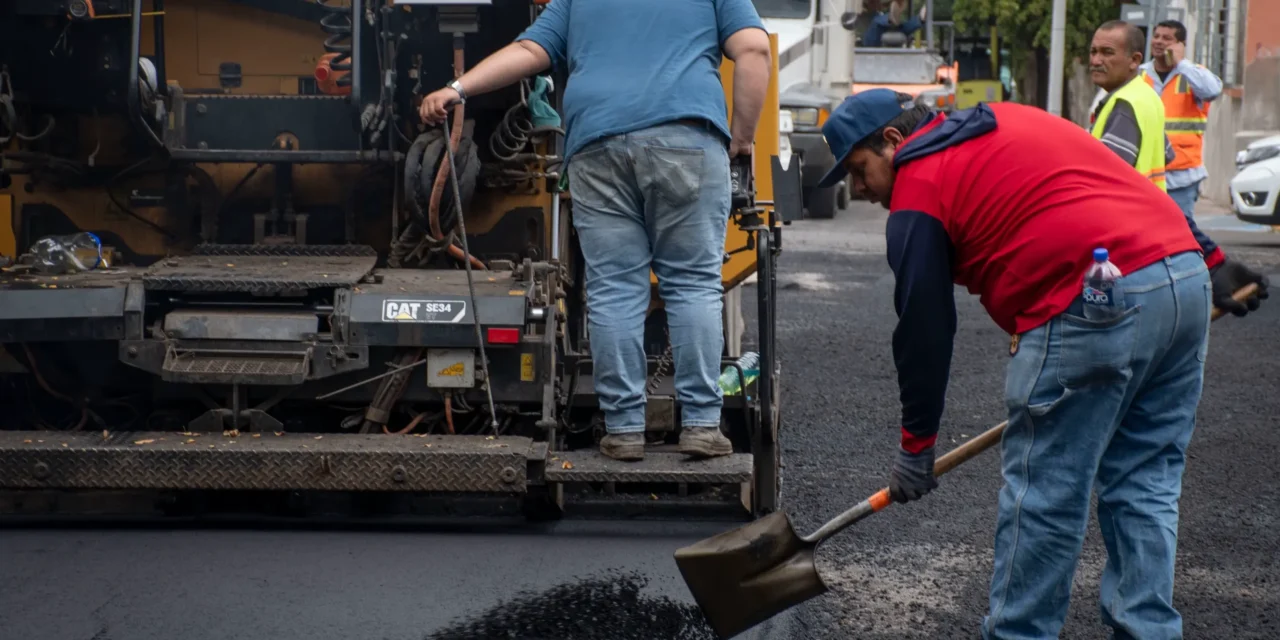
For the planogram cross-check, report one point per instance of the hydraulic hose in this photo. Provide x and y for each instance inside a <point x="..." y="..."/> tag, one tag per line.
<point x="455" y="138"/>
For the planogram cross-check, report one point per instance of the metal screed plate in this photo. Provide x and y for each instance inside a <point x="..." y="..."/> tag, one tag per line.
<point x="338" y="462"/>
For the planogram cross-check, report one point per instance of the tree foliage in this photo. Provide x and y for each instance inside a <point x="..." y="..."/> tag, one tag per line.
<point x="1026" y="24"/>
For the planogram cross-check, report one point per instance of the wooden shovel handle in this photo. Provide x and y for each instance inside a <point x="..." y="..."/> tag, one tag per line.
<point x="949" y="460"/>
<point x="1239" y="296"/>
<point x="963" y="453"/>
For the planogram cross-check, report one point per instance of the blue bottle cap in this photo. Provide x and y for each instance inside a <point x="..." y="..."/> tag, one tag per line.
<point x="1100" y="255"/>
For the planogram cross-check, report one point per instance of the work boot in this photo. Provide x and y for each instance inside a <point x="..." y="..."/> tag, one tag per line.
<point x="623" y="446"/>
<point x="704" y="442"/>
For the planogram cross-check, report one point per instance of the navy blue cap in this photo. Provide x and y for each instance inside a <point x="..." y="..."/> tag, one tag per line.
<point x="856" y="118"/>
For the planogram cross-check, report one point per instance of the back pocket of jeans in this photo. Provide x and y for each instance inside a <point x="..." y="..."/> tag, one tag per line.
<point x="594" y="178"/>
<point x="1097" y="352"/>
<point x="675" y="175"/>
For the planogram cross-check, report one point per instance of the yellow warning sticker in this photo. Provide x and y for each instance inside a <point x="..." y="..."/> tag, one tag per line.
<point x="516" y="292"/>
<point x="526" y="367"/>
<point x="454" y="370"/>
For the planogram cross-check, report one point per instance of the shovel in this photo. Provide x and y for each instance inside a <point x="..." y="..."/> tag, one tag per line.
<point x="745" y="576"/>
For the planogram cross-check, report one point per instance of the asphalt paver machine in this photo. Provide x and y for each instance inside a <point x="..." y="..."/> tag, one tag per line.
<point x="284" y="295"/>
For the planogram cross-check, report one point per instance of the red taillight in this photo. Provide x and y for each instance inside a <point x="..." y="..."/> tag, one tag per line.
<point x="499" y="335"/>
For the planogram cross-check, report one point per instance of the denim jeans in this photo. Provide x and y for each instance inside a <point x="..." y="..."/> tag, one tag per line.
<point x="1109" y="405"/>
<point x="1186" y="198"/>
<point x="655" y="198"/>
<point x="880" y="24"/>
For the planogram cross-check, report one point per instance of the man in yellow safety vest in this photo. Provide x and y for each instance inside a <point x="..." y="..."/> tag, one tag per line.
<point x="1131" y="121"/>
<point x="1185" y="89"/>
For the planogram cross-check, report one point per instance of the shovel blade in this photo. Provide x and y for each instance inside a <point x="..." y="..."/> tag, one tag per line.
<point x="747" y="575"/>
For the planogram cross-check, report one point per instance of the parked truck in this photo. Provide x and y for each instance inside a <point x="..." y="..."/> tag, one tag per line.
<point x="813" y="63"/>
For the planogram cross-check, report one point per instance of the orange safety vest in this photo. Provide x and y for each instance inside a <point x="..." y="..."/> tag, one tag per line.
<point x="1184" y="121"/>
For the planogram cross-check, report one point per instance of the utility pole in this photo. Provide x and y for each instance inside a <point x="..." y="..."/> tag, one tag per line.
<point x="928" y="24"/>
<point x="1057" y="55"/>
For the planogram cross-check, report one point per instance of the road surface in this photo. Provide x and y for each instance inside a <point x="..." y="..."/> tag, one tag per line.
<point x="915" y="571"/>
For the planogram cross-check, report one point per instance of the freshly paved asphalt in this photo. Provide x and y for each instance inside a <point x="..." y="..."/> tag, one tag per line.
<point x="915" y="571"/>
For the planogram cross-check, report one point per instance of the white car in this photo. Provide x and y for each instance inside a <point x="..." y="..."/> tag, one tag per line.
<point x="1255" y="191"/>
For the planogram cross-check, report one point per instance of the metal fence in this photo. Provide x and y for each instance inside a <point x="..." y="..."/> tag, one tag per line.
<point x="1219" y="27"/>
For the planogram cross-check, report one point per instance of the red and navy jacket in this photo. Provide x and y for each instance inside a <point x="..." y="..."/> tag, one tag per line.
<point x="1010" y="202"/>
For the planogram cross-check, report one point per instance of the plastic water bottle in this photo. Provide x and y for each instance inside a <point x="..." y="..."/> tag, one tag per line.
<point x="1102" y="298"/>
<point x="729" y="381"/>
<point x="57" y="255"/>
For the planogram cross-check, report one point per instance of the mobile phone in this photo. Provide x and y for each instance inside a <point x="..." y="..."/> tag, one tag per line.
<point x="1168" y="57"/>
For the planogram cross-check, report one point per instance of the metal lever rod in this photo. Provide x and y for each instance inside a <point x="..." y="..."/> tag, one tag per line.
<point x="471" y="285"/>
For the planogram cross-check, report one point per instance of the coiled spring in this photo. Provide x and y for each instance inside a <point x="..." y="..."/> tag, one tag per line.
<point x="337" y="22"/>
<point x="512" y="133"/>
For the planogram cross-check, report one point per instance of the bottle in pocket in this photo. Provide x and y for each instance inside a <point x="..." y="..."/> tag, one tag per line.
<point x="1102" y="295"/>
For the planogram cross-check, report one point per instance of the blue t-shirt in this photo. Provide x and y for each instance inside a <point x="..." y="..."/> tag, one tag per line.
<point x="634" y="64"/>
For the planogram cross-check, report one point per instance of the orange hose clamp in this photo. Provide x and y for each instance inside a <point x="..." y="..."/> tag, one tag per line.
<point x="327" y="77"/>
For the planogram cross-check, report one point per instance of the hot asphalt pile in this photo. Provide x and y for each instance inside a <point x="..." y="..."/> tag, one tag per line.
<point x="606" y="606"/>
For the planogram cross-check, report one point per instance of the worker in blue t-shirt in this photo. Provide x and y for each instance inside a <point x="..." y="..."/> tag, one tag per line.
<point x="647" y="154"/>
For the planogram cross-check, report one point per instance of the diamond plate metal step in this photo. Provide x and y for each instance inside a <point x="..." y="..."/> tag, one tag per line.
<point x="231" y="367"/>
<point x="255" y="270"/>
<point x="330" y="462"/>
<point x="659" y="467"/>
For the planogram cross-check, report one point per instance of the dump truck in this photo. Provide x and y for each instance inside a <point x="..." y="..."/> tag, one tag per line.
<point x="283" y="294"/>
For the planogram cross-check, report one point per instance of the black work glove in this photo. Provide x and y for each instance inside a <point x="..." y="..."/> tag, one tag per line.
<point x="912" y="475"/>
<point x="1230" y="276"/>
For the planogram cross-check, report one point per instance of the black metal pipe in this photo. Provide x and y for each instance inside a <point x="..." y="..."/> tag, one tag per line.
<point x="135" y="56"/>
<point x="357" y="59"/>
<point x="765" y="311"/>
<point x="162" y="81"/>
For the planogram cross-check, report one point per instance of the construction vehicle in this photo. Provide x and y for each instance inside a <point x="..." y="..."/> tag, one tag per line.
<point x="982" y="72"/>
<point x="910" y="63"/>
<point x="812" y="55"/>
<point x="905" y="57"/>
<point x="292" y="293"/>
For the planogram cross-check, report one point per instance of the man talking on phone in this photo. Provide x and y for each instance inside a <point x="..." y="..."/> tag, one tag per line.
<point x="1186" y="89"/>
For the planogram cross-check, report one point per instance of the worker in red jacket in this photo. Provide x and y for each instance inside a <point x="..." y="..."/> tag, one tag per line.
<point x="1012" y="202"/>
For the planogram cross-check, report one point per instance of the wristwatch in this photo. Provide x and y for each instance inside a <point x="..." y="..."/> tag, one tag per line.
<point x="457" y="86"/>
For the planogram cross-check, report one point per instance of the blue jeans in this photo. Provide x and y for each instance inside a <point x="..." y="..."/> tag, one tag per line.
<point x="1109" y="405"/>
<point x="880" y="24"/>
<point x="1186" y="198"/>
<point x="655" y="198"/>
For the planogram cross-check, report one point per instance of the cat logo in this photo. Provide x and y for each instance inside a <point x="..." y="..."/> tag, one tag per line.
<point x="434" y="311"/>
<point x="454" y="370"/>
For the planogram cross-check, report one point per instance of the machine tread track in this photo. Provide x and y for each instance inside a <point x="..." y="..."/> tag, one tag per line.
<point x="286" y="250"/>
<point x="196" y="97"/>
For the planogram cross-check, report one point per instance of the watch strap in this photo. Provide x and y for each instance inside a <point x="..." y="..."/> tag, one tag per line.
<point x="457" y="86"/>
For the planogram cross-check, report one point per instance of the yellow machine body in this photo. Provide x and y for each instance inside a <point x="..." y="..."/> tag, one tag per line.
<point x="274" y="51"/>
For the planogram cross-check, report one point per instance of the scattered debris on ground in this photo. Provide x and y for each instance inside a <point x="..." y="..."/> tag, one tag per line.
<point x="596" y="608"/>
